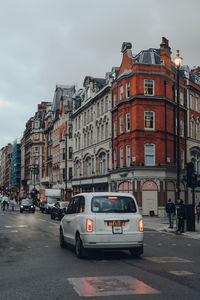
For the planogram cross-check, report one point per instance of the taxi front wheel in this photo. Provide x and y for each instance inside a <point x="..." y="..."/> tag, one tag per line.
<point x="136" y="252"/>
<point x="61" y="239"/>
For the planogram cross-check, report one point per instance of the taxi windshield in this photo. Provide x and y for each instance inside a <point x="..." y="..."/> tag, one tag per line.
<point x="113" y="204"/>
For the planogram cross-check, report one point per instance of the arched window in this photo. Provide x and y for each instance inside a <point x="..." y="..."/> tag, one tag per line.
<point x="89" y="166"/>
<point x="195" y="158"/>
<point x="102" y="163"/>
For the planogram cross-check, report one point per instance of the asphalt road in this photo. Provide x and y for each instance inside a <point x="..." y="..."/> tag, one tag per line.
<point x="33" y="266"/>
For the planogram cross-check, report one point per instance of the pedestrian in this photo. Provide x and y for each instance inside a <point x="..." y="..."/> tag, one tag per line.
<point x="170" y="210"/>
<point x="12" y="201"/>
<point x="5" y="201"/>
<point x="198" y="212"/>
<point x="180" y="215"/>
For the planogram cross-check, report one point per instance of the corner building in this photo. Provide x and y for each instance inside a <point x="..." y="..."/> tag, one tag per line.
<point x="144" y="122"/>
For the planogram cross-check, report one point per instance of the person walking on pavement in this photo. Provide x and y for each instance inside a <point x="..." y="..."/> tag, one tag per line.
<point x="5" y="201"/>
<point x="180" y="215"/>
<point x="12" y="201"/>
<point x="198" y="212"/>
<point x="170" y="210"/>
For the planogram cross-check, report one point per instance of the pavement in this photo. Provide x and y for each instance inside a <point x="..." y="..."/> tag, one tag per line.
<point x="162" y="224"/>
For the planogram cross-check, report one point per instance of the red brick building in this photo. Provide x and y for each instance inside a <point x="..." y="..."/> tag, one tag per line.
<point x="144" y="127"/>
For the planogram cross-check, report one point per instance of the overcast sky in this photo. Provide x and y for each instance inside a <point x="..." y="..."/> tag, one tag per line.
<point x="49" y="42"/>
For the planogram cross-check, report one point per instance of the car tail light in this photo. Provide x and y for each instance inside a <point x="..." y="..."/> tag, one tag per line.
<point x="89" y="225"/>
<point x="141" y="225"/>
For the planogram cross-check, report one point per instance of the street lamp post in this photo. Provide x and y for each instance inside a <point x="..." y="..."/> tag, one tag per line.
<point x="177" y="61"/>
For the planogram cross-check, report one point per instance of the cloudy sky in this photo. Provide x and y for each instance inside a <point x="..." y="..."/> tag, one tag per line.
<point x="46" y="42"/>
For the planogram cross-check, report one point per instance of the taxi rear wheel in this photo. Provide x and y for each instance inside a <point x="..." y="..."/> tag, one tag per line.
<point x="79" y="249"/>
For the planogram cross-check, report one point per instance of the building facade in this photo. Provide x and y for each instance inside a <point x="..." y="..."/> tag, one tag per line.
<point x="145" y="128"/>
<point x="92" y="134"/>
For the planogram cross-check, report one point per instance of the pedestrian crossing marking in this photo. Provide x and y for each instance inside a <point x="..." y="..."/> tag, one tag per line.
<point x="181" y="273"/>
<point x="15" y="226"/>
<point x="167" y="259"/>
<point x="110" y="286"/>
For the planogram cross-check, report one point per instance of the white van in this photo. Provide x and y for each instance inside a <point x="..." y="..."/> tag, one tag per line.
<point x="102" y="221"/>
<point x="48" y="198"/>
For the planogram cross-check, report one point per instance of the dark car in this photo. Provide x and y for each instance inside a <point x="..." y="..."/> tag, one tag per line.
<point x="27" y="205"/>
<point x="59" y="209"/>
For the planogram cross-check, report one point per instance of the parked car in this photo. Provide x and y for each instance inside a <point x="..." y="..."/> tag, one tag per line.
<point x="102" y="221"/>
<point x="59" y="209"/>
<point x="27" y="205"/>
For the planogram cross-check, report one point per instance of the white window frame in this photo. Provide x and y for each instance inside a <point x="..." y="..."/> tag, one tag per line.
<point x="37" y="124"/>
<point x="121" y="127"/>
<point x="146" y="115"/>
<point x="91" y="111"/>
<point x="114" y="100"/>
<point x="181" y="98"/>
<point x="128" y="122"/>
<point x="121" y="90"/>
<point x="192" y="101"/>
<point x="192" y="129"/>
<point x="79" y="122"/>
<point x="115" y="129"/>
<point x="121" y="157"/>
<point x="98" y="109"/>
<point x="102" y="163"/>
<point x="147" y="154"/>
<point x="89" y="166"/>
<point x="127" y="89"/>
<point x="182" y="128"/>
<point x="197" y="103"/>
<point x="147" y="87"/>
<point x="36" y="136"/>
<point x="128" y="155"/>
<point x="106" y="103"/>
<point x="79" y="143"/>
<point x="76" y="124"/>
<point x="102" y="106"/>
<point x="115" y="158"/>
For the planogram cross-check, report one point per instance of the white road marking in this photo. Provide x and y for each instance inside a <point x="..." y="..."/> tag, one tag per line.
<point x="15" y="226"/>
<point x="159" y="244"/>
<point x="173" y="244"/>
<point x="189" y="245"/>
<point x="167" y="259"/>
<point x="181" y="273"/>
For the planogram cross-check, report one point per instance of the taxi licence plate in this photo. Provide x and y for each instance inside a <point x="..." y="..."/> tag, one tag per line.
<point x="116" y="223"/>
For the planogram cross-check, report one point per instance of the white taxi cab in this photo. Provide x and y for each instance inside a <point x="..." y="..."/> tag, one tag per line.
<point x="102" y="221"/>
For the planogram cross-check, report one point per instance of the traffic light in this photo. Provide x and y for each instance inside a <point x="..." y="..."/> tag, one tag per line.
<point x="191" y="176"/>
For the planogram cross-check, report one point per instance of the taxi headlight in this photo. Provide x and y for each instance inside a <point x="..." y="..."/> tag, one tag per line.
<point x="31" y="206"/>
<point x="21" y="206"/>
